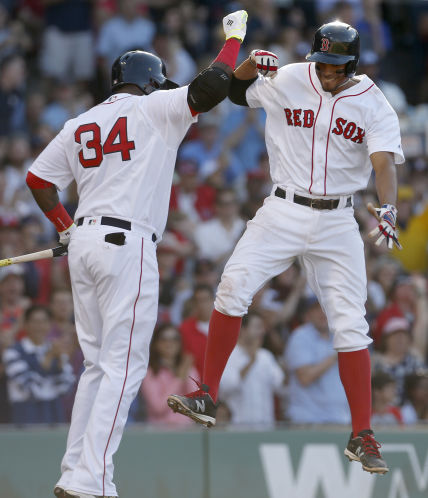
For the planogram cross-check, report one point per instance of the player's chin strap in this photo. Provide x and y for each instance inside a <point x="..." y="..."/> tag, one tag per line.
<point x="342" y="84"/>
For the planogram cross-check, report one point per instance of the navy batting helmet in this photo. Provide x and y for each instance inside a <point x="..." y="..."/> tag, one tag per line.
<point x="336" y="43"/>
<point x="143" y="69"/>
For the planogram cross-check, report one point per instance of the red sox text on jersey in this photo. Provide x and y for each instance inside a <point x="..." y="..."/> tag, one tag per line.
<point x="305" y="118"/>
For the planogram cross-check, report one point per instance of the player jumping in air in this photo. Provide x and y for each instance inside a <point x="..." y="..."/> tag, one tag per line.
<point x="325" y="130"/>
<point x="122" y="154"/>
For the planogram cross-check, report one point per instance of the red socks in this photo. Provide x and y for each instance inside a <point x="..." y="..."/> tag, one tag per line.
<point x="222" y="338"/>
<point x="229" y="53"/>
<point x="355" y="374"/>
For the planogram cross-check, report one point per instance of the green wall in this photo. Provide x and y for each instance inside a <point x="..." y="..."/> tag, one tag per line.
<point x="217" y="463"/>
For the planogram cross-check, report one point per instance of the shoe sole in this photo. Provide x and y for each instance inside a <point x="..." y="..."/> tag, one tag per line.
<point x="373" y="470"/>
<point x="177" y="405"/>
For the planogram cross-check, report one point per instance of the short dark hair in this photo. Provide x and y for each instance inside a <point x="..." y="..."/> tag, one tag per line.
<point x="380" y="379"/>
<point x="34" y="309"/>
<point x="203" y="287"/>
<point x="247" y="318"/>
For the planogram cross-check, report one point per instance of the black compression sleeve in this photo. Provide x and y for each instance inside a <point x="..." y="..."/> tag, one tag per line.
<point x="238" y="89"/>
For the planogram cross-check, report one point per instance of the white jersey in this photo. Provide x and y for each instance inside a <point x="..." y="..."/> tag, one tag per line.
<point x="319" y="144"/>
<point x="127" y="140"/>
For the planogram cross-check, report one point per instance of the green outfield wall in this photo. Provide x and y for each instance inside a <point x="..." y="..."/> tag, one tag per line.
<point x="216" y="463"/>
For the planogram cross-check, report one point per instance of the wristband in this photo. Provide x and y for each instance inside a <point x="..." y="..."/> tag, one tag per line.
<point x="229" y="53"/>
<point x="59" y="217"/>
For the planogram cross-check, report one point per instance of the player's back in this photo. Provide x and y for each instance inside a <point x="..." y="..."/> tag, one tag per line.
<point x="122" y="155"/>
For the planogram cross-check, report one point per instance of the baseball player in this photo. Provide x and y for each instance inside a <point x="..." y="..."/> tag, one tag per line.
<point x="326" y="129"/>
<point x="122" y="154"/>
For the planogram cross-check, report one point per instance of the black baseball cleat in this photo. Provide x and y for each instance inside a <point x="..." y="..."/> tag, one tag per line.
<point x="198" y="405"/>
<point x="59" y="492"/>
<point x="365" y="449"/>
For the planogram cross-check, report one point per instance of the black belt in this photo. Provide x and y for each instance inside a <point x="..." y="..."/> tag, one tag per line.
<point x="313" y="203"/>
<point x="114" y="222"/>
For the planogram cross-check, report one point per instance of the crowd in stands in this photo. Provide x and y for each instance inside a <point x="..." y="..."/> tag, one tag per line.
<point x="55" y="58"/>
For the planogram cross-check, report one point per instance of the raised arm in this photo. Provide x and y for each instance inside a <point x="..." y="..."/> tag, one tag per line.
<point x="211" y="86"/>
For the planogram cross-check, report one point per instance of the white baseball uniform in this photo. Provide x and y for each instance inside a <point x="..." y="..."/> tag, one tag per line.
<point x="319" y="147"/>
<point x="122" y="154"/>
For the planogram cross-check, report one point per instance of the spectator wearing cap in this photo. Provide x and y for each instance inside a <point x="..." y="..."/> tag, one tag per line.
<point x="38" y="372"/>
<point x="415" y="408"/>
<point x="190" y="196"/>
<point x="370" y="65"/>
<point x="315" y="392"/>
<point x="397" y="358"/>
<point x="413" y="229"/>
<point x="384" y="396"/>
<point x="68" y="48"/>
<point x="216" y="238"/>
<point x="252" y="377"/>
<point x="408" y="299"/>
<point x="194" y="328"/>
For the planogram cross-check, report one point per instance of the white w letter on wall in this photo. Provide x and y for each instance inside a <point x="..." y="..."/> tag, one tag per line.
<point x="320" y="466"/>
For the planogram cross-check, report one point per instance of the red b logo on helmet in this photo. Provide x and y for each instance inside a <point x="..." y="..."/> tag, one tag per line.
<point x="325" y="43"/>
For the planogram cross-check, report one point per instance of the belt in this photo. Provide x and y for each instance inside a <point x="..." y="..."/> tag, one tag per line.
<point x="313" y="203"/>
<point x="114" y="222"/>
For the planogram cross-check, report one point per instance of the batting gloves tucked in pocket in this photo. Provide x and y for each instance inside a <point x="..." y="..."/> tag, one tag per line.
<point x="235" y="25"/>
<point x="387" y="217"/>
<point x="266" y="62"/>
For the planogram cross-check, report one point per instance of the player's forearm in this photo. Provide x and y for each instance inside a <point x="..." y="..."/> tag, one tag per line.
<point x="386" y="177"/>
<point x="46" y="198"/>
<point x="246" y="71"/>
<point x="310" y="373"/>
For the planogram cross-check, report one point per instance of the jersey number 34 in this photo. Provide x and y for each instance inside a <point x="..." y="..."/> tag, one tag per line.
<point x="116" y="141"/>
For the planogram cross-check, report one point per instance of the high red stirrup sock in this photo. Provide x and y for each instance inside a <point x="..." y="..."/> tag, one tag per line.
<point x="222" y="338"/>
<point x="355" y="374"/>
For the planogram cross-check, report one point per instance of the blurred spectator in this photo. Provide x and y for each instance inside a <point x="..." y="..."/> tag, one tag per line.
<point x="169" y="368"/>
<point x="252" y="377"/>
<point x="216" y="238"/>
<point x="180" y="66"/>
<point x="38" y="372"/>
<point x="61" y="309"/>
<point x="67" y="52"/>
<point x="415" y="408"/>
<point x="315" y="392"/>
<point x="397" y="358"/>
<point x="370" y="65"/>
<point x="242" y="133"/>
<point x="384" y="396"/>
<point x="128" y="30"/>
<point x="13" y="37"/>
<point x="208" y="151"/>
<point x="190" y="196"/>
<point x="12" y="88"/>
<point x="194" y="329"/>
<point x="413" y="228"/>
<point x="66" y="104"/>
<point x="408" y="299"/>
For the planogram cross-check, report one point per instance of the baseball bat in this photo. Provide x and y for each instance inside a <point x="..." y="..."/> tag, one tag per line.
<point x="372" y="210"/>
<point x="34" y="256"/>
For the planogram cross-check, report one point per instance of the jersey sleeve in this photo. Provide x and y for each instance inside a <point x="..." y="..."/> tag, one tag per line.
<point x="52" y="164"/>
<point x="256" y="92"/>
<point x="169" y="112"/>
<point x="383" y="133"/>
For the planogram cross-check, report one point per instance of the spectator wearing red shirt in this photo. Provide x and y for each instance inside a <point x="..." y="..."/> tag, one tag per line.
<point x="193" y="198"/>
<point x="194" y="329"/>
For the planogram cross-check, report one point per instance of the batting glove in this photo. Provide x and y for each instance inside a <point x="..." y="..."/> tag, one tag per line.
<point x="65" y="236"/>
<point x="266" y="62"/>
<point x="387" y="217"/>
<point x="235" y="25"/>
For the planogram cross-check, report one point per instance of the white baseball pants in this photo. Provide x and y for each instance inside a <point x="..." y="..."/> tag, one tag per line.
<point x="115" y="292"/>
<point x="328" y="244"/>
